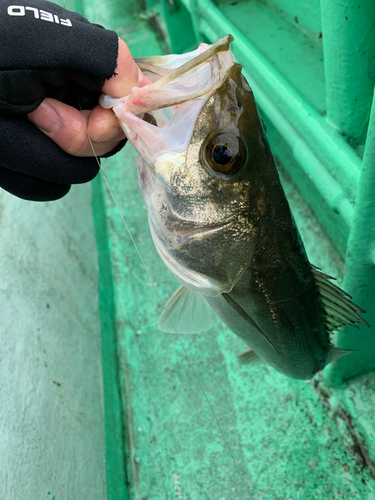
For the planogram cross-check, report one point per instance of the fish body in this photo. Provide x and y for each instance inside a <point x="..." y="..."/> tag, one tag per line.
<point x="219" y="217"/>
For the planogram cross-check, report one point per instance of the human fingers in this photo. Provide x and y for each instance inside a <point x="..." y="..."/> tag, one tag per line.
<point x="127" y="74"/>
<point x="68" y="128"/>
<point x="103" y="126"/>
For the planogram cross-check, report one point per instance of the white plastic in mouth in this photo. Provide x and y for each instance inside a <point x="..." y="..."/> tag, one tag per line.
<point x="182" y="85"/>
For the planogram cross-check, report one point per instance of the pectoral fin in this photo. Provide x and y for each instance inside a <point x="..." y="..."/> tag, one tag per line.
<point x="246" y="317"/>
<point x="185" y="312"/>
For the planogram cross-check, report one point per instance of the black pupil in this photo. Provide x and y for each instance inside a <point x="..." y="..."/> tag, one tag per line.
<point x="221" y="154"/>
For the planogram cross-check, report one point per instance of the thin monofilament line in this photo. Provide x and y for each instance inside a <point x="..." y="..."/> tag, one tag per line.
<point x="177" y="334"/>
<point x="128" y="230"/>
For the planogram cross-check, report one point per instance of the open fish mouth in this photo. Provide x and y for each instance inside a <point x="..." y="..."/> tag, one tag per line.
<point x="178" y="93"/>
<point x="174" y="88"/>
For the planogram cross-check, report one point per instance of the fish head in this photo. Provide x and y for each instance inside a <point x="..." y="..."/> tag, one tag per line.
<point x="200" y="142"/>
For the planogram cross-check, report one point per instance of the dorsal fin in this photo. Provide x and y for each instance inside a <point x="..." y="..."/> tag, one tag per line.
<point x="339" y="309"/>
<point x="246" y="317"/>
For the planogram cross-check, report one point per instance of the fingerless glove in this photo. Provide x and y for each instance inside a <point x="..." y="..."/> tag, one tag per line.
<point x="47" y="51"/>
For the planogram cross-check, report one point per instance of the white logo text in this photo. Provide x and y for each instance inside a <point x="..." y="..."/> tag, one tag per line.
<point x="20" y="10"/>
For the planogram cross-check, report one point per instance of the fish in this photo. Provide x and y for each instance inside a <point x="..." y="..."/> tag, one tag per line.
<point x="219" y="217"/>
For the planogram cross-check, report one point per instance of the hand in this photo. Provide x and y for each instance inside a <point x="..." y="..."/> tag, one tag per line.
<point x="55" y="66"/>
<point x="70" y="128"/>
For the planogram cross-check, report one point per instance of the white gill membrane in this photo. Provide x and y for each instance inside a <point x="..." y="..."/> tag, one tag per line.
<point x="181" y="86"/>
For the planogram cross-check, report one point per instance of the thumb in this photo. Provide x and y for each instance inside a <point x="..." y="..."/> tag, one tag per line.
<point x="127" y="74"/>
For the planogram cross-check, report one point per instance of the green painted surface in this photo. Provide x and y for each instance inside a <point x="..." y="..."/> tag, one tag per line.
<point x="305" y="13"/>
<point x="134" y="28"/>
<point x="177" y="16"/>
<point x="360" y="269"/>
<point x="112" y="14"/>
<point x="74" y="5"/>
<point x="349" y="59"/>
<point x="295" y="54"/>
<point x="327" y="216"/>
<point x="113" y="398"/>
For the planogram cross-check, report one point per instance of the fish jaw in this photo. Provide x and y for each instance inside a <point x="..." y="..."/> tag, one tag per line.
<point x="158" y="66"/>
<point x="196" y="74"/>
<point x="174" y="99"/>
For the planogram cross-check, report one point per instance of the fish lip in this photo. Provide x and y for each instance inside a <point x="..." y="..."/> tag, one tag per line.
<point x="211" y="51"/>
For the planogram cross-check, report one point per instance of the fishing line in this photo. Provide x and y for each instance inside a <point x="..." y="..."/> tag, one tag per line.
<point x="177" y="334"/>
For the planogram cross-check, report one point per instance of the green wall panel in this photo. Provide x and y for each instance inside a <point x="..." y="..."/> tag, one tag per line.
<point x="349" y="59"/>
<point x="305" y="13"/>
<point x="295" y="54"/>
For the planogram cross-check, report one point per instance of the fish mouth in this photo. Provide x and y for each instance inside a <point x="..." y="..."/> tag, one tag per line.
<point x="221" y="45"/>
<point x="151" y="98"/>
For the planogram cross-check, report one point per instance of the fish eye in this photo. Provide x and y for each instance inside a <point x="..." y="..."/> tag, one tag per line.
<point x="224" y="154"/>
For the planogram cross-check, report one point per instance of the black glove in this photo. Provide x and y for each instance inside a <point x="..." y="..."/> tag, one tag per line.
<point x="47" y="51"/>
